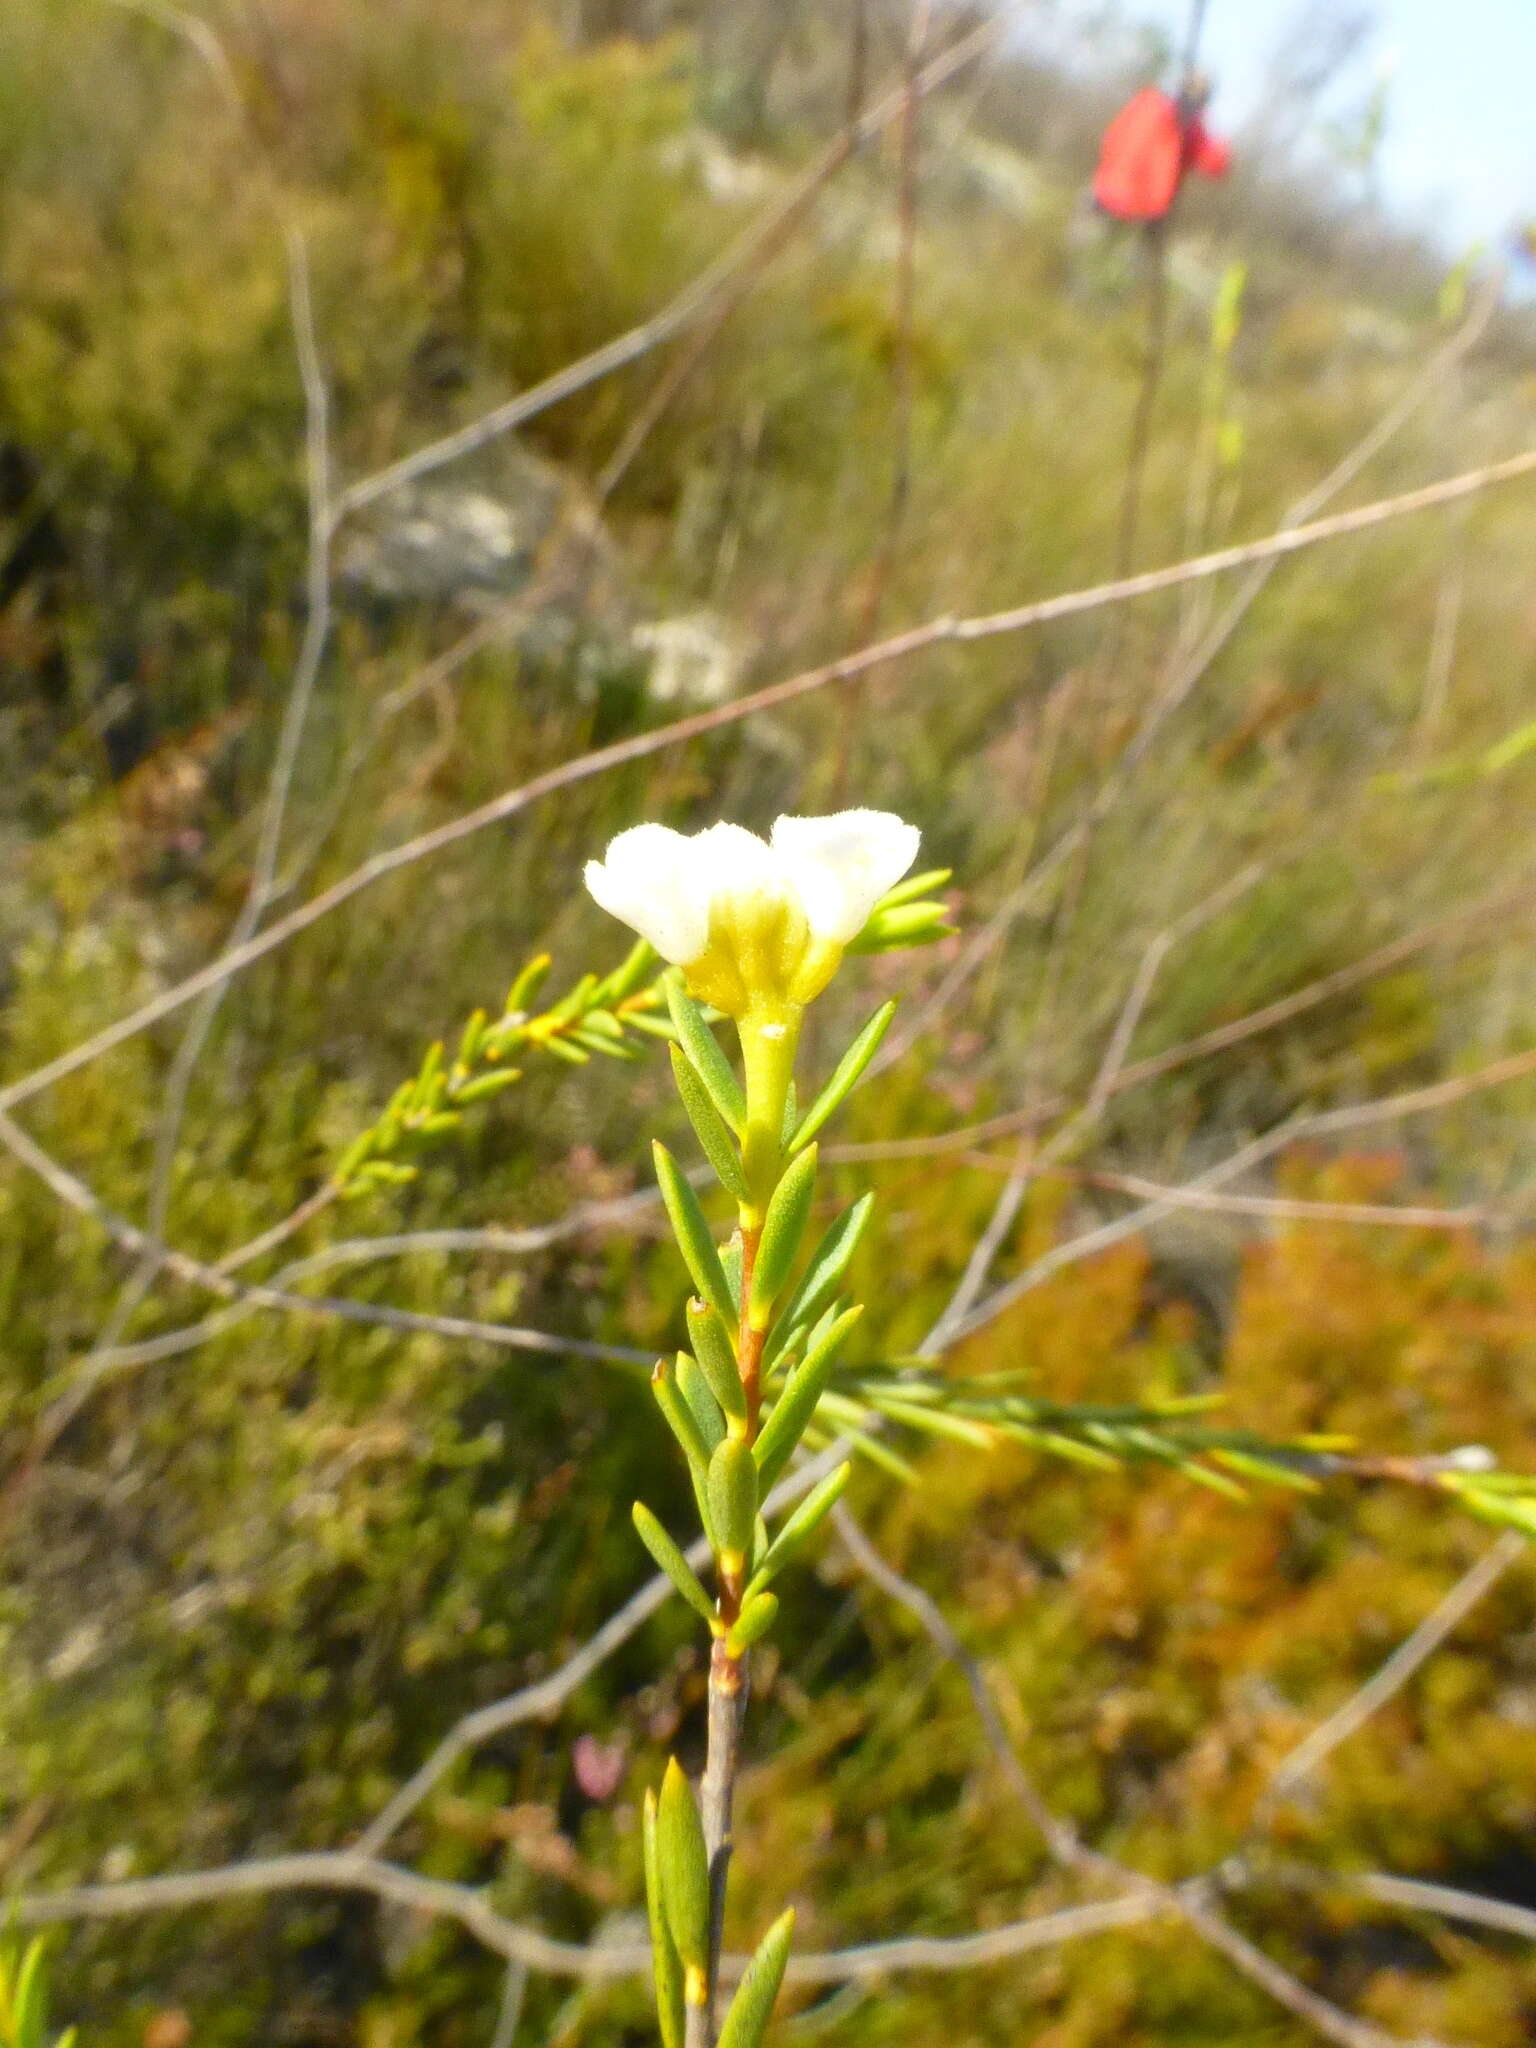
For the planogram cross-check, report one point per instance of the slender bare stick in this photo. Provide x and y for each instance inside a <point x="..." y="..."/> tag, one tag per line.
<point x="900" y="646"/>
<point x="1189" y="1902"/>
<point x="317" y="626"/>
<point x="690" y="305"/>
<point x="344" y="1870"/>
<point x="1448" y="1615"/>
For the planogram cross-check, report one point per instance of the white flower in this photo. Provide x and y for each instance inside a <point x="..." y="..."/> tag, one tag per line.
<point x="751" y="918"/>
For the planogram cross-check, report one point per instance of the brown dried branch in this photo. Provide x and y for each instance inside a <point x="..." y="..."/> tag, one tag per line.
<point x="640" y="746"/>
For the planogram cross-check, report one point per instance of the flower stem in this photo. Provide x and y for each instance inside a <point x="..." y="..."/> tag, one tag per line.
<point x="770" y="1033"/>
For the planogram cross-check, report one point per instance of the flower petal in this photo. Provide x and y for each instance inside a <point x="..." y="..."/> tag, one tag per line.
<point x="842" y="865"/>
<point x="732" y="862"/>
<point x="653" y="880"/>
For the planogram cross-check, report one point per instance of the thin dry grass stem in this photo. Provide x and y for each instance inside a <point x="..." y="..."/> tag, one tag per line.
<point x="1189" y="1902"/>
<point x="544" y="1699"/>
<point x="903" y="301"/>
<point x="514" y="1990"/>
<point x="76" y="1195"/>
<point x="566" y="775"/>
<point x="361" y="1868"/>
<point x="301" y="689"/>
<point x="529" y="1949"/>
<point x="697" y="299"/>
<point x="197" y="33"/>
<point x="1031" y="1160"/>
<point x="1461" y="924"/>
<point x="1280" y="1208"/>
<point x="1442" y="643"/>
<point x="1107" y="1081"/>
<point x="1324" y="1123"/>
<point x="1445" y="1900"/>
<point x="1187" y="668"/>
<point x="1302" y="1764"/>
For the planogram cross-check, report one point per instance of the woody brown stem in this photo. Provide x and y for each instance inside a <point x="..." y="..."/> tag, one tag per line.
<point x="727" y="1709"/>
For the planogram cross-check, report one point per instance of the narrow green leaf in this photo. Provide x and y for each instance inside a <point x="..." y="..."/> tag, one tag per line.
<point x="666" y="1967"/>
<point x="484" y="1086"/>
<point x="683" y="1868"/>
<point x="474" y="1034"/>
<point x="564" y="1050"/>
<point x="960" y="1429"/>
<point x="789" y="1210"/>
<point x="880" y="1454"/>
<point x="653" y="1027"/>
<point x="1267" y="1471"/>
<point x="679" y="1419"/>
<point x="822" y="1276"/>
<point x="791" y="1116"/>
<point x="849" y="1072"/>
<point x="353" y="1157"/>
<point x="574" y="1002"/>
<point x="521" y="991"/>
<point x="704" y="1054"/>
<point x="914" y="924"/>
<point x="753" y="1623"/>
<point x="733" y="1499"/>
<point x="799" y="1529"/>
<point x="730" y="1265"/>
<point x="601" y="1023"/>
<point x="710" y="1127"/>
<point x="31" y="1996"/>
<point x="797" y="1404"/>
<point x="672" y="1561"/>
<point x="702" y="1405"/>
<point x="913" y="887"/>
<point x="693" y="1234"/>
<point x="716" y="1355"/>
<point x="751" y="2009"/>
<point x="637" y="966"/>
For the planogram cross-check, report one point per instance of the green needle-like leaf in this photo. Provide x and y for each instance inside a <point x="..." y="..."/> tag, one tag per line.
<point x="753" y="1623"/>
<point x="797" y="1404"/>
<point x="484" y="1086"/>
<point x="822" y="1277"/>
<point x="679" y="1419"/>
<point x="704" y="1054"/>
<point x="666" y="1966"/>
<point x="710" y="1127"/>
<point x="522" y="990"/>
<point x="751" y="2009"/>
<point x="730" y="1265"/>
<point x="672" y="1561"/>
<point x="846" y="1077"/>
<point x="637" y="966"/>
<point x="683" y="1868"/>
<point x="799" y="1529"/>
<point x="913" y="887"/>
<point x="733" y="1499"/>
<point x="789" y="1210"/>
<point x="716" y="1355"/>
<point x="702" y="1405"/>
<point x="693" y="1234"/>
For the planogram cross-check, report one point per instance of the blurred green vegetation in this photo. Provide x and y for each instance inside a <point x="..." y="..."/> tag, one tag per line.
<point x="253" y="1583"/>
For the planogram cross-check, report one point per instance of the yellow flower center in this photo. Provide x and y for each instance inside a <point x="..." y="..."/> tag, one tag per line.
<point x="760" y="954"/>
